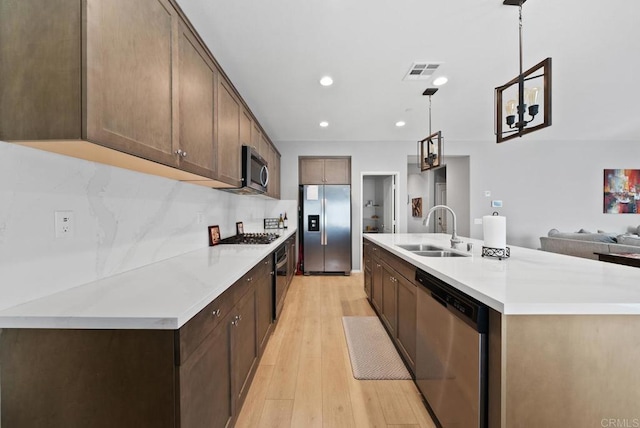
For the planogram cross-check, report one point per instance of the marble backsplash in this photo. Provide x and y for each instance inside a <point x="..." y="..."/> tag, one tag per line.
<point x="123" y="220"/>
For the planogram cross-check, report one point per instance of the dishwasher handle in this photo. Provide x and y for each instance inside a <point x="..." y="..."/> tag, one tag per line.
<point x="438" y="299"/>
<point x="474" y="313"/>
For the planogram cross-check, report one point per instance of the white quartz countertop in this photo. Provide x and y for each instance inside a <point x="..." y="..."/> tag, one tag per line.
<point x="530" y="281"/>
<point x="162" y="295"/>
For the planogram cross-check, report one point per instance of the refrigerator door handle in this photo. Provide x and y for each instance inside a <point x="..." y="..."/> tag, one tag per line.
<point x="323" y="240"/>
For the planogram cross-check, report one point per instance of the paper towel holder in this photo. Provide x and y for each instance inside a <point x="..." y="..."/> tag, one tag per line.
<point x="498" y="253"/>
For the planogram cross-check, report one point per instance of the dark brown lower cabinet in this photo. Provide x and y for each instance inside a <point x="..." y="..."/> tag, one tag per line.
<point x="87" y="378"/>
<point x="244" y="351"/>
<point x="390" y="286"/>
<point x="197" y="376"/>
<point x="376" y="285"/>
<point x="205" y="381"/>
<point x="406" y="331"/>
<point x="389" y="298"/>
<point x="264" y="303"/>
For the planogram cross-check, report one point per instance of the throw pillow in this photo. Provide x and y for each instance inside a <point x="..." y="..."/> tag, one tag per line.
<point x="553" y="232"/>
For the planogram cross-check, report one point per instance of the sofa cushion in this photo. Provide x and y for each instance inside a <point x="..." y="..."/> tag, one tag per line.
<point x="590" y="237"/>
<point x="573" y="247"/>
<point x="629" y="240"/>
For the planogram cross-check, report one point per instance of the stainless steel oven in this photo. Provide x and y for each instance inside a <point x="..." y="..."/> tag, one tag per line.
<point x="451" y="353"/>
<point x="281" y="261"/>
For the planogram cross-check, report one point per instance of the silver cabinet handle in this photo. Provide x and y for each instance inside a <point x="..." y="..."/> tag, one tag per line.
<point x="250" y="279"/>
<point x="216" y="313"/>
<point x="182" y="153"/>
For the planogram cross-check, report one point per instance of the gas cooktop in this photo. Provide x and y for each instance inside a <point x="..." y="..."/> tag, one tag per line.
<point x="251" y="238"/>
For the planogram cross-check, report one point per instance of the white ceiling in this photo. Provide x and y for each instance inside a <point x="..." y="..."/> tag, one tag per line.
<point x="275" y="51"/>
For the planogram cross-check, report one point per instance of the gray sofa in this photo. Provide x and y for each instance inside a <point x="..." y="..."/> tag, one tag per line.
<point x="585" y="244"/>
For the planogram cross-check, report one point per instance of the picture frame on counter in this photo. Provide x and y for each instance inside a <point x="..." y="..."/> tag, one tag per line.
<point x="214" y="235"/>
<point x="239" y="228"/>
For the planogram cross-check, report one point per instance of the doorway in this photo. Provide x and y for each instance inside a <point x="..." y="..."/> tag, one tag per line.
<point x="379" y="202"/>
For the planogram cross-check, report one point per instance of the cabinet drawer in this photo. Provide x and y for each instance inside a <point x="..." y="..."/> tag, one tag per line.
<point x="197" y="328"/>
<point x="403" y="268"/>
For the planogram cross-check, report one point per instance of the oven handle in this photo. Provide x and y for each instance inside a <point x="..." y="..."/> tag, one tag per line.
<point x="282" y="262"/>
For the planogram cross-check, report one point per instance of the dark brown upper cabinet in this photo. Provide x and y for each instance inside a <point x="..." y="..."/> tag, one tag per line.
<point x="120" y="82"/>
<point x="324" y="170"/>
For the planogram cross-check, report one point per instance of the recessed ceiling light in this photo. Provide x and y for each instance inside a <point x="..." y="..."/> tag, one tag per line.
<point x="326" y="81"/>
<point x="324" y="124"/>
<point x="400" y="123"/>
<point x="439" y="81"/>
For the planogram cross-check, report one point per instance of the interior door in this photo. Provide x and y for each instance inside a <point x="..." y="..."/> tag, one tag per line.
<point x="388" y="215"/>
<point x="440" y="223"/>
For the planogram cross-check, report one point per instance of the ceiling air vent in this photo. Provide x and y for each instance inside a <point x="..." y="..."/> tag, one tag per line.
<point x="422" y="70"/>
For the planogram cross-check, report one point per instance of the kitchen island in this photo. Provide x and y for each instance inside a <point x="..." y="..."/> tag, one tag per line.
<point x="564" y="332"/>
<point x="174" y="343"/>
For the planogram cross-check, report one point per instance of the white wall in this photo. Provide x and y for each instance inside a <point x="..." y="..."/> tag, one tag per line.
<point x="458" y="188"/>
<point x="123" y="220"/>
<point x="543" y="184"/>
<point x="419" y="185"/>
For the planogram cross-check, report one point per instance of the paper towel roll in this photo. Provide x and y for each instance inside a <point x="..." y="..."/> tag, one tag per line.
<point x="494" y="228"/>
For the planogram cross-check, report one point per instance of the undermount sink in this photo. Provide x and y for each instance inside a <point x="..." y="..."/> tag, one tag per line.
<point x="419" y="247"/>
<point x="441" y="253"/>
<point x="426" y="250"/>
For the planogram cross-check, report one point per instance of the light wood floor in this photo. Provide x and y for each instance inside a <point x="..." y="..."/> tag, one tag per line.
<point x="304" y="378"/>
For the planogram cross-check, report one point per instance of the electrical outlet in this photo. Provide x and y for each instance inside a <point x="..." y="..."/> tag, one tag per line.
<point x="199" y="218"/>
<point x="477" y="221"/>
<point x="64" y="224"/>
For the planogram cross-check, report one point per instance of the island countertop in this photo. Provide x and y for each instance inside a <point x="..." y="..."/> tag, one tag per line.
<point x="163" y="295"/>
<point x="529" y="282"/>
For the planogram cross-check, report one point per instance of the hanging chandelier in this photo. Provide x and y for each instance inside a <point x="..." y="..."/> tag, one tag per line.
<point x="525" y="96"/>
<point x="430" y="148"/>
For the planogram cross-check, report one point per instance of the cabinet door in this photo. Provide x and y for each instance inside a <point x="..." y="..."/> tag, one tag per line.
<point x="263" y="143"/>
<point x="40" y="69"/>
<point x="275" y="174"/>
<point x="376" y="286"/>
<point x="389" y="298"/>
<point x="406" y="331"/>
<point x="228" y="134"/>
<point x="311" y="171"/>
<point x="264" y="303"/>
<point x="205" y="382"/>
<point x="337" y="171"/>
<point x="246" y="126"/>
<point x="196" y="77"/>
<point x="129" y="69"/>
<point x="244" y="351"/>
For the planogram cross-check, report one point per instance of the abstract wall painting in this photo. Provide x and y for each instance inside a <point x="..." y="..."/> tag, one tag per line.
<point x="621" y="191"/>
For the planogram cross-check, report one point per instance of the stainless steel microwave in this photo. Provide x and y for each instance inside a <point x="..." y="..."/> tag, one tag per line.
<point x="255" y="171"/>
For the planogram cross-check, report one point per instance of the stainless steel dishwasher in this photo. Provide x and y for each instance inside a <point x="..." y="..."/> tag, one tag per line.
<point x="451" y="353"/>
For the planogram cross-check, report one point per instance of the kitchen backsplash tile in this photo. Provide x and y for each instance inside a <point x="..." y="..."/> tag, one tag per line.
<point x="123" y="220"/>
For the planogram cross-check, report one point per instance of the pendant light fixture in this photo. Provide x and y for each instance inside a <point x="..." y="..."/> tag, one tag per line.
<point x="524" y="96"/>
<point x="430" y="148"/>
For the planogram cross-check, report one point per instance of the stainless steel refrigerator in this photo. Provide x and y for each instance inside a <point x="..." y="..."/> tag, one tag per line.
<point x="326" y="228"/>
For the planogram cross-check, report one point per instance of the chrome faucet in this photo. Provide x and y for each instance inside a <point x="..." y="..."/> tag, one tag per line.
<point x="454" y="237"/>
